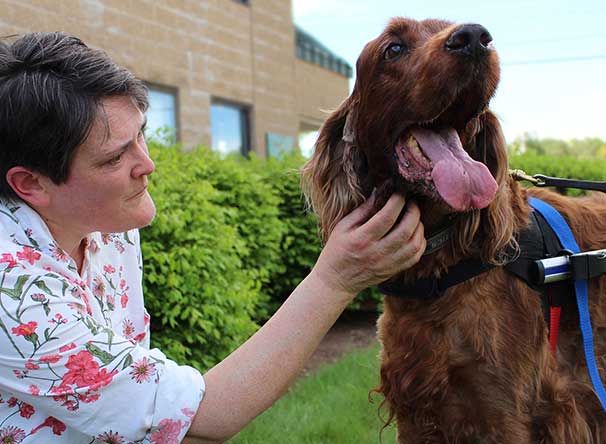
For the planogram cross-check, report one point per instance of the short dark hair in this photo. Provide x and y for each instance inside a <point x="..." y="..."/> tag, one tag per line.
<point x="51" y="86"/>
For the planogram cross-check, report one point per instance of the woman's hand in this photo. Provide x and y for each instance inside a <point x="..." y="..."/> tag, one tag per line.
<point x="363" y="251"/>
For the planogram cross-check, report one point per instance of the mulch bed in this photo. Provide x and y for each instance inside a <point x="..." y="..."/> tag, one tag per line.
<point x="355" y="329"/>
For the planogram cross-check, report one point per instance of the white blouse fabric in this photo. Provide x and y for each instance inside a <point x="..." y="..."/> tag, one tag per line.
<point x="75" y="363"/>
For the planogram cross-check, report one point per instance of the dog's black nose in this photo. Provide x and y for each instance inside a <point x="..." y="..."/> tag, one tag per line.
<point x="469" y="39"/>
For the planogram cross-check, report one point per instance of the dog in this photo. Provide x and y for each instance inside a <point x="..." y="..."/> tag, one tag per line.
<point x="474" y="365"/>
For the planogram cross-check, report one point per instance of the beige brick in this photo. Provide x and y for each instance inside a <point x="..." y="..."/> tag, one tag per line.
<point x="143" y="10"/>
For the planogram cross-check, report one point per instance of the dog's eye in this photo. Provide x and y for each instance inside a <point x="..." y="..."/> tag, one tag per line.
<point x="394" y="50"/>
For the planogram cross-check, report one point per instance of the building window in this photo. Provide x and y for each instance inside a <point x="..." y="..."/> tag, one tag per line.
<point x="229" y="128"/>
<point x="312" y="51"/>
<point x="162" y="114"/>
<point x="307" y="142"/>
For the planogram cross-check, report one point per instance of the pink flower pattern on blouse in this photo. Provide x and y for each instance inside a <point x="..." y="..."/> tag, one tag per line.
<point x="74" y="348"/>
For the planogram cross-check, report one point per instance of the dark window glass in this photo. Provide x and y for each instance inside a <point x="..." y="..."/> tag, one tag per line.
<point x="229" y="128"/>
<point x="162" y="115"/>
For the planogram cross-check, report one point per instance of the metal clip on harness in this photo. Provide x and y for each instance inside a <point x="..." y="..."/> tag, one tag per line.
<point x="540" y="180"/>
<point x="586" y="265"/>
<point x="546" y="181"/>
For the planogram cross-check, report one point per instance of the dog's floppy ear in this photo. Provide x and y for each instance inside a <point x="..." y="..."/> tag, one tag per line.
<point x="498" y="219"/>
<point x="491" y="147"/>
<point x="331" y="178"/>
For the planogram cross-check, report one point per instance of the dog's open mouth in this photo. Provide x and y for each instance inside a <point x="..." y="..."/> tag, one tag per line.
<point x="435" y="164"/>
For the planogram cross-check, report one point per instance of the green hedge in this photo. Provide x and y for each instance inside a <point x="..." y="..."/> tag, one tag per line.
<point x="300" y="244"/>
<point x="560" y="166"/>
<point x="201" y="298"/>
<point x="254" y="211"/>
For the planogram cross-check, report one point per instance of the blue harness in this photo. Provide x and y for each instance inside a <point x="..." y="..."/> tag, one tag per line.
<point x="564" y="234"/>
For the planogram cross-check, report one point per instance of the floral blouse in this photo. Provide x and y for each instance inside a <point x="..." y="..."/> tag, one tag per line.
<point x="75" y="363"/>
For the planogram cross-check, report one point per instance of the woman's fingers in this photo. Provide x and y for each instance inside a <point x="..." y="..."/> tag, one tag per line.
<point x="383" y="221"/>
<point x="360" y="214"/>
<point x="410" y="252"/>
<point x="366" y="249"/>
<point x="404" y="231"/>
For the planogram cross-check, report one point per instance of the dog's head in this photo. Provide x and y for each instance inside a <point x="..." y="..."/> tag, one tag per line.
<point x="416" y="122"/>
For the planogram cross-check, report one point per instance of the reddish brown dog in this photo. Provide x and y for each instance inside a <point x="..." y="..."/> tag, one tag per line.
<point x="473" y="366"/>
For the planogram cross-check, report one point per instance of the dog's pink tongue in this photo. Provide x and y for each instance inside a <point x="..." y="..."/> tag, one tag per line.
<point x="462" y="182"/>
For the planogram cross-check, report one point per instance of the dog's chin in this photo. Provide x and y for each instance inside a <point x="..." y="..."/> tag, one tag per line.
<point x="434" y="210"/>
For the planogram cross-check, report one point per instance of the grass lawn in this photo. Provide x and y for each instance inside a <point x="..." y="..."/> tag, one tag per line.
<point x="330" y="406"/>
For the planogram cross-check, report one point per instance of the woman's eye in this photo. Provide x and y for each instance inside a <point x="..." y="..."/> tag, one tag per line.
<point x="394" y="50"/>
<point x="115" y="160"/>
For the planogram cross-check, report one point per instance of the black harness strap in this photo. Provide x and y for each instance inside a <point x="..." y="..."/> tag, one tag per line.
<point x="433" y="288"/>
<point x="538" y="241"/>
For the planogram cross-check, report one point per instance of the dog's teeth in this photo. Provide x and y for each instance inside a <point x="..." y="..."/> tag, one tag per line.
<point x="412" y="143"/>
<point x="413" y="146"/>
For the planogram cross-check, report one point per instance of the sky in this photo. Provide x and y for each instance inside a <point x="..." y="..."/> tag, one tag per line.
<point x="553" y="53"/>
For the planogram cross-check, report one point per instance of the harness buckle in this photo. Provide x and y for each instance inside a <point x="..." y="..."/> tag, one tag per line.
<point x="588" y="265"/>
<point x="552" y="269"/>
<point x="585" y="265"/>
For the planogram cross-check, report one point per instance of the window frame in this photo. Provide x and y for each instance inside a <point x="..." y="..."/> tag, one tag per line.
<point x="174" y="91"/>
<point x="245" y="122"/>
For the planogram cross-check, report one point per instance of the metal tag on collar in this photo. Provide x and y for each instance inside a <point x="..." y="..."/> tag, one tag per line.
<point x="437" y="240"/>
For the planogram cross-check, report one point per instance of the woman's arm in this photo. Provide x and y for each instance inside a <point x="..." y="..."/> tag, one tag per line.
<point x="360" y="252"/>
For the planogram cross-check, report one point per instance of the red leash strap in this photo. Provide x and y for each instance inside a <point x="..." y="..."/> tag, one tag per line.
<point x="554" y="327"/>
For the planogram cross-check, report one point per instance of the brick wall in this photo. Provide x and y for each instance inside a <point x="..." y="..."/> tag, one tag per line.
<point x="207" y="49"/>
<point x="319" y="91"/>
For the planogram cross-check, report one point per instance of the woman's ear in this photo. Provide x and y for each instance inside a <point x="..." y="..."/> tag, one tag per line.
<point x="30" y="186"/>
<point x="331" y="178"/>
